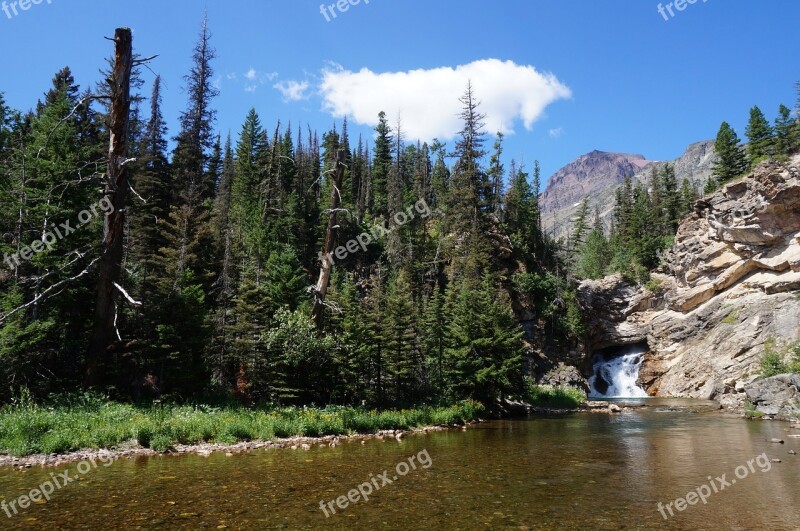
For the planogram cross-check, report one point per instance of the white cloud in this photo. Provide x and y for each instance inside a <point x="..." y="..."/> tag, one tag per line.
<point x="556" y="133"/>
<point x="427" y="100"/>
<point x="254" y="78"/>
<point x="293" y="90"/>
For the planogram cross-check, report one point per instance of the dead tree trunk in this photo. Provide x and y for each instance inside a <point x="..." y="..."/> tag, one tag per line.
<point x="116" y="190"/>
<point x="321" y="289"/>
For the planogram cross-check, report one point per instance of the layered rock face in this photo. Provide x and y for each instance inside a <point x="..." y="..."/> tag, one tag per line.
<point x="729" y="285"/>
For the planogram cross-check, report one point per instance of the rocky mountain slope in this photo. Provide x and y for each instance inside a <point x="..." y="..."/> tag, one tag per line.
<point x="730" y="288"/>
<point x="598" y="175"/>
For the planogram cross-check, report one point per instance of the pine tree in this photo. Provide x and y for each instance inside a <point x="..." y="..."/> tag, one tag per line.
<point x="5" y="123"/>
<point x="467" y="222"/>
<point x="760" y="137"/>
<point x="286" y="285"/>
<point x="594" y="257"/>
<point x="521" y="214"/>
<point x="468" y="178"/>
<point x="251" y="317"/>
<point x="196" y="137"/>
<point x="484" y="348"/>
<point x="786" y="137"/>
<point x="688" y="196"/>
<point x="180" y="316"/>
<point x="400" y="331"/>
<point x="580" y="226"/>
<point x="152" y="183"/>
<point x="247" y="193"/>
<point x="396" y="191"/>
<point x="440" y="177"/>
<point x="374" y="338"/>
<point x="220" y="355"/>
<point x="433" y="330"/>
<point x="645" y="242"/>
<point x="671" y="209"/>
<point x="496" y="173"/>
<point x="356" y="366"/>
<point x="49" y="178"/>
<point x="732" y="159"/>
<point x="381" y="166"/>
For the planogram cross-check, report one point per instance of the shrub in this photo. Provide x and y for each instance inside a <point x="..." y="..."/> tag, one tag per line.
<point x="654" y="285"/>
<point x="794" y="365"/>
<point x="751" y="412"/>
<point x="772" y="363"/>
<point x="555" y="397"/>
<point x="161" y="442"/>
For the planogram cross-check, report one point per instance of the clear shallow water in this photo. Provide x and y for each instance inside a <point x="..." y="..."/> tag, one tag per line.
<point x="583" y="471"/>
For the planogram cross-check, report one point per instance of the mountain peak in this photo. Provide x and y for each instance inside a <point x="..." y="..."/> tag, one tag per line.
<point x="598" y="174"/>
<point x="589" y="173"/>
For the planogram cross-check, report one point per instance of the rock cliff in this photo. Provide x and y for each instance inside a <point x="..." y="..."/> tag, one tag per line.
<point x="728" y="286"/>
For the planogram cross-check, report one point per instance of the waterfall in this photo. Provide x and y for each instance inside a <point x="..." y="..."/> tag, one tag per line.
<point x="615" y="377"/>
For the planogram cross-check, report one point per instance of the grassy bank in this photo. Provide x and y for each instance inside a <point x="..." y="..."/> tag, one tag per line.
<point x="95" y="424"/>
<point x="547" y="396"/>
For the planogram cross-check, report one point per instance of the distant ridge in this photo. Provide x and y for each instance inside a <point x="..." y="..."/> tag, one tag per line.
<point x="598" y="174"/>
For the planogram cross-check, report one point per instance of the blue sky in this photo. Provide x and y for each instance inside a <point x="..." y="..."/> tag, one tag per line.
<point x="611" y="75"/>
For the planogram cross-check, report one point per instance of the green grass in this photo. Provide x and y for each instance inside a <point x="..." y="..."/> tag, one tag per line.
<point x="732" y="318"/>
<point x="655" y="285"/>
<point x="554" y="397"/>
<point x="27" y="428"/>
<point x="774" y="360"/>
<point x="751" y="412"/>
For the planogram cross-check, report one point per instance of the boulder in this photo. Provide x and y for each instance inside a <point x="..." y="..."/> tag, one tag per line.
<point x="778" y="396"/>
<point x="563" y="376"/>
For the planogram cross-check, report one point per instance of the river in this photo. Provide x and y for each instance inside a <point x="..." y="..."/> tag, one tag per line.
<point x="576" y="471"/>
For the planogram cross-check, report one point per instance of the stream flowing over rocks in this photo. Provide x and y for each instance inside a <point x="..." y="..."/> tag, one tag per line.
<point x="729" y="285"/>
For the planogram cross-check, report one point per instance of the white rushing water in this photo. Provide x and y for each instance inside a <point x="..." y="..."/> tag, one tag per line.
<point x="619" y="375"/>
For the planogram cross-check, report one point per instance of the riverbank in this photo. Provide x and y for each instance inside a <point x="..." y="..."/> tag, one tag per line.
<point x="67" y="432"/>
<point x="133" y="450"/>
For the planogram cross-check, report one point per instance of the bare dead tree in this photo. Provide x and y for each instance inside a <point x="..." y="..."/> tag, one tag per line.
<point x="321" y="289"/>
<point x="116" y="190"/>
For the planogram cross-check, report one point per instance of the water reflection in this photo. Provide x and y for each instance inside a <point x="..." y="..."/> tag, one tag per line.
<point x="583" y="471"/>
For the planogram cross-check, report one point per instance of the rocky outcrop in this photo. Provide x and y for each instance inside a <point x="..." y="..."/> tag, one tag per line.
<point x="565" y="376"/>
<point x="729" y="285"/>
<point x="608" y="307"/>
<point x="778" y="396"/>
<point x="749" y="226"/>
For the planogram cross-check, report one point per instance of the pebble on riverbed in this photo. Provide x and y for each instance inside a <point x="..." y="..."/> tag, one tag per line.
<point x="777" y="441"/>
